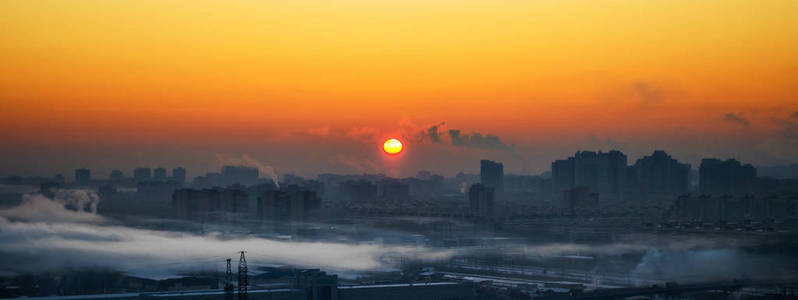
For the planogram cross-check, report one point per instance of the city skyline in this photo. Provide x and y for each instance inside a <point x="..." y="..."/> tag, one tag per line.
<point x="399" y="149"/>
<point x="108" y="171"/>
<point x="270" y="80"/>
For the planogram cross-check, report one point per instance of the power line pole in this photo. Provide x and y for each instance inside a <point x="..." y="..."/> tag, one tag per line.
<point x="242" y="277"/>
<point x="228" y="282"/>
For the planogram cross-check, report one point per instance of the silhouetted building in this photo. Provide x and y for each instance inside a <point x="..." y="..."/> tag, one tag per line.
<point x="210" y="179"/>
<point x="290" y="203"/>
<point x="393" y="190"/>
<point x="725" y="177"/>
<point x="59" y="178"/>
<point x="481" y="200"/>
<point x="240" y="175"/>
<point x="728" y="208"/>
<point x="179" y="175"/>
<point x="562" y="176"/>
<point x="789" y="171"/>
<point x="660" y="174"/>
<point x="491" y="174"/>
<point x="159" y="174"/>
<point x="116" y="176"/>
<point x="106" y="191"/>
<point x="82" y="176"/>
<point x="317" y="284"/>
<point x="611" y="173"/>
<point x="207" y="204"/>
<point x="602" y="172"/>
<point x="153" y="198"/>
<point x="523" y="188"/>
<point x="586" y="170"/>
<point x="579" y="198"/>
<point x="48" y="188"/>
<point x="142" y="174"/>
<point x="359" y="190"/>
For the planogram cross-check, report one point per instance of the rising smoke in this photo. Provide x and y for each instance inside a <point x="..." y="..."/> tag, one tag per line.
<point x="248" y="161"/>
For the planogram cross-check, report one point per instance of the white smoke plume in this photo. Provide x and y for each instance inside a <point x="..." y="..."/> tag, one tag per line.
<point x="65" y="206"/>
<point x="248" y="161"/>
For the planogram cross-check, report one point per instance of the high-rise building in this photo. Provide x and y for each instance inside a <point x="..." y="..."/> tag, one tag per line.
<point x="660" y="174"/>
<point x="586" y="170"/>
<point x="82" y="176"/>
<point x="481" y="200"/>
<point x="491" y="175"/>
<point x="59" y="178"/>
<point x="209" y="203"/>
<point x="562" y="176"/>
<point x="116" y="176"/>
<point x="48" y="188"/>
<point x="725" y="177"/>
<point x="179" y="175"/>
<point x="142" y="174"/>
<point x="603" y="173"/>
<point x="580" y="197"/>
<point x="611" y="173"/>
<point x="359" y="190"/>
<point x="393" y="190"/>
<point x="240" y="175"/>
<point x="289" y="203"/>
<point x="159" y="174"/>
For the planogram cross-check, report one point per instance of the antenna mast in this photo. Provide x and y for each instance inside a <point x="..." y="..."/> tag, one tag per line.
<point x="228" y="282"/>
<point x="242" y="277"/>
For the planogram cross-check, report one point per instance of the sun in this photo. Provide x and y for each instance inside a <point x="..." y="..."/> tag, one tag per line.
<point x="392" y="146"/>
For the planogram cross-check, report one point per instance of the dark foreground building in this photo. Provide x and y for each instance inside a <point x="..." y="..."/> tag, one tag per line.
<point x="310" y="285"/>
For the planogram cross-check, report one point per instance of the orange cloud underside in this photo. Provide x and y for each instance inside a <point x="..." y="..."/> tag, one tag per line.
<point x="202" y="69"/>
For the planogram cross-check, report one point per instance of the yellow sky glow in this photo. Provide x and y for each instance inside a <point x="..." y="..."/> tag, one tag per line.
<point x="517" y="68"/>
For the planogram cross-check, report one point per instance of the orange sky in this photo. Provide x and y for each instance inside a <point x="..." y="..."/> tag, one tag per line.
<point x="88" y="74"/>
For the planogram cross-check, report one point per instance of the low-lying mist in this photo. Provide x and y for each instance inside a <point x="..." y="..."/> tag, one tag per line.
<point x="64" y="232"/>
<point x="43" y="235"/>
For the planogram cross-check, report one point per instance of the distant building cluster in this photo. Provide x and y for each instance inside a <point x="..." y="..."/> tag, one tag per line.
<point x="608" y="175"/>
<point x="587" y="183"/>
<point x="726" y="177"/>
<point x="290" y="203"/>
<point x="482" y="201"/>
<point x="207" y="204"/>
<point x="709" y="208"/>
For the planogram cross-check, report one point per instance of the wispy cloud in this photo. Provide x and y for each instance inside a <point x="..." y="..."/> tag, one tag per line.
<point x="736" y="118"/>
<point x="364" y="133"/>
<point x="647" y="93"/>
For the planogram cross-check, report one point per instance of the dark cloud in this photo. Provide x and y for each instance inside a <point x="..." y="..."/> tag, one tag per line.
<point x="436" y="133"/>
<point x="363" y="133"/>
<point x="360" y="164"/>
<point x="736" y="118"/>
<point x="476" y="140"/>
<point x="794" y="115"/>
<point x="432" y="133"/>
